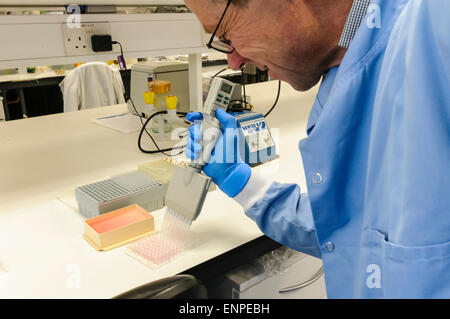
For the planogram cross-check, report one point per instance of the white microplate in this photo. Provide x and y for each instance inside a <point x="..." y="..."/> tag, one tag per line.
<point x="158" y="249"/>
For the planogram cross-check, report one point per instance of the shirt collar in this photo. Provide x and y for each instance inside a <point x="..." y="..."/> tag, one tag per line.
<point x="354" y="19"/>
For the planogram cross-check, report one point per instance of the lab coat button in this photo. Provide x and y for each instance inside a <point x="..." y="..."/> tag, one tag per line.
<point x="329" y="246"/>
<point x="317" y="179"/>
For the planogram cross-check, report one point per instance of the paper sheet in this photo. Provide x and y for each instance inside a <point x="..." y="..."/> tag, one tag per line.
<point x="125" y="123"/>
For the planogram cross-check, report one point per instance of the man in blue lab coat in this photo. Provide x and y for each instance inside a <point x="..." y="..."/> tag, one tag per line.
<point x="377" y="155"/>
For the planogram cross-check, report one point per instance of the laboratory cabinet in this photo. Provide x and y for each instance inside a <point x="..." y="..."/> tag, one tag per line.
<point x="282" y="274"/>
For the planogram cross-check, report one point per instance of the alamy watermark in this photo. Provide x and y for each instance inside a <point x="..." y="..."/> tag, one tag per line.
<point x="373" y="19"/>
<point x="234" y="147"/>
<point x="74" y="276"/>
<point x="74" y="18"/>
<point x="374" y="278"/>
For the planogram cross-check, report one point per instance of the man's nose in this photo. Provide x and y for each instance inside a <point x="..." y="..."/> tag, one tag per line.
<point x="236" y="61"/>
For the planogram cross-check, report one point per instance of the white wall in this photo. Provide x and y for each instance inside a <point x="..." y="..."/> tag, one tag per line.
<point x="39" y="40"/>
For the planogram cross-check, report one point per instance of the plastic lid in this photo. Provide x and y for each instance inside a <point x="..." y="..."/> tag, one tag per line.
<point x="161" y="86"/>
<point x="171" y="102"/>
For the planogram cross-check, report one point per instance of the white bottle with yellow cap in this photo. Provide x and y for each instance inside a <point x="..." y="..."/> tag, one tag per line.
<point x="160" y="125"/>
<point x="148" y="107"/>
<point x="172" y="103"/>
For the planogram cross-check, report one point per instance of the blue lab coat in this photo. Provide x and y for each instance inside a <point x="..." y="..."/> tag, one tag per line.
<point x="377" y="162"/>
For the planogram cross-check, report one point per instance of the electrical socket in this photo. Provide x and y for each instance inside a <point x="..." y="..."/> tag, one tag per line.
<point x="77" y="41"/>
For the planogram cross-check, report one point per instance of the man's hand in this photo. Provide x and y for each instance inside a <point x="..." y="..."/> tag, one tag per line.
<point x="225" y="166"/>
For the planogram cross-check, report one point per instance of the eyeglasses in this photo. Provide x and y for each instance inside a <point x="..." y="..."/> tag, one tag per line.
<point x="221" y="45"/>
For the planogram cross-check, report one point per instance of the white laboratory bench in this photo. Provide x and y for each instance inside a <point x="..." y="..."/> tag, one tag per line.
<point x="42" y="252"/>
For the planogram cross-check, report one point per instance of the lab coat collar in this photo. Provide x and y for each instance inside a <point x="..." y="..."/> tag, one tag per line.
<point x="372" y="34"/>
<point x="371" y="37"/>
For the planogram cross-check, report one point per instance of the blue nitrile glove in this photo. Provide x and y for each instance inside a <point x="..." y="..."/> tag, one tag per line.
<point x="225" y="166"/>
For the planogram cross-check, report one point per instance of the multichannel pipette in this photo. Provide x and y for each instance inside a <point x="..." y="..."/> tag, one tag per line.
<point x="188" y="187"/>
